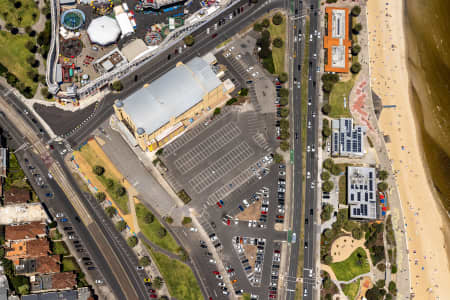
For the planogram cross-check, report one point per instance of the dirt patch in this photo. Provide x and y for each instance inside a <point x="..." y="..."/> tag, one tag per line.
<point x="250" y="253"/>
<point x="344" y="246"/>
<point x="251" y="213"/>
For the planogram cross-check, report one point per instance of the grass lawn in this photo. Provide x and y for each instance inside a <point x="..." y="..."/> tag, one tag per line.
<point x="340" y="91"/>
<point x="179" y="278"/>
<point x="26" y="15"/>
<point x="94" y="157"/>
<point x="343" y="189"/>
<point x="223" y="43"/>
<point x="352" y="266"/>
<point x="351" y="290"/>
<point x="150" y="231"/>
<point x="59" y="248"/>
<point x="13" y="55"/>
<point x="16" y="176"/>
<point x="246" y="296"/>
<point x="69" y="264"/>
<point x="278" y="53"/>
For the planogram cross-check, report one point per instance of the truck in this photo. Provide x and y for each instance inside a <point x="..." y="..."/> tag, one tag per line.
<point x="125" y="7"/>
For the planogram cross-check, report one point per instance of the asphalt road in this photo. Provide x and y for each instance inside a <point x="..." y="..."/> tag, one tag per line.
<point x="161" y="64"/>
<point x="102" y="230"/>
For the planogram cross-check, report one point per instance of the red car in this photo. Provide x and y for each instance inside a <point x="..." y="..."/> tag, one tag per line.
<point x="230" y="270"/>
<point x="216" y="273"/>
<point x="264" y="212"/>
<point x="278" y="138"/>
<point x="153" y="296"/>
<point x="277" y="251"/>
<point x="272" y="296"/>
<point x="218" y="204"/>
<point x="152" y="291"/>
<point x="228" y="222"/>
<point x="280" y="217"/>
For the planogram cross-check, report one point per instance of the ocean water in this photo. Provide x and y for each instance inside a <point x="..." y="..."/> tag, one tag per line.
<point x="428" y="45"/>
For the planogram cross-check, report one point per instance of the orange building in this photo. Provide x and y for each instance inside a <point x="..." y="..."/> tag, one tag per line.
<point x="336" y="40"/>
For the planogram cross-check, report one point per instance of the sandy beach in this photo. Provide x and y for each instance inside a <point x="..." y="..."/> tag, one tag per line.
<point x="424" y="218"/>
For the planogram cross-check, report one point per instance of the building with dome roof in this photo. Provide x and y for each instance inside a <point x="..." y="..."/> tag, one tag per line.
<point x="103" y="31"/>
<point x="163" y="109"/>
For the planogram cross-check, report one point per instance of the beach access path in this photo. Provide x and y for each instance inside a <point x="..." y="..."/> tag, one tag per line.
<point x="419" y="213"/>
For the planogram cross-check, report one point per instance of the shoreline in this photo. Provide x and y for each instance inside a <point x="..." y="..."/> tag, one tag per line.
<point x="428" y="258"/>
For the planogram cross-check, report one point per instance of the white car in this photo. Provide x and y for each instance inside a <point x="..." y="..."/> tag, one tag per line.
<point x="313" y="115"/>
<point x="212" y="261"/>
<point x="63" y="152"/>
<point x="281" y="190"/>
<point x="265" y="189"/>
<point x="313" y="149"/>
<point x="227" y="54"/>
<point x="193" y="229"/>
<point x="59" y="215"/>
<point x="245" y="202"/>
<point x="250" y="223"/>
<point x="308" y="149"/>
<point x="98" y="281"/>
<point x="308" y="175"/>
<point x="282" y="173"/>
<point x="281" y="210"/>
<point x="264" y="209"/>
<point x="254" y="223"/>
<point x="221" y="284"/>
<point x="139" y="268"/>
<point x="231" y="48"/>
<point x="312" y="185"/>
<point x="219" y="277"/>
<point x="225" y="293"/>
<point x="238" y="56"/>
<point x="309" y="124"/>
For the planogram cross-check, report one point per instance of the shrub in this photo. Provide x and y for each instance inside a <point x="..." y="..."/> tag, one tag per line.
<point x="109" y="183"/>
<point x="284" y="112"/>
<point x="189" y="40"/>
<point x="132" y="241"/>
<point x="327" y="259"/>
<point x="326" y="132"/>
<point x="326" y="109"/>
<point x="383" y="175"/>
<point x="277" y="19"/>
<point x="110" y="211"/>
<point x="144" y="261"/>
<point x="327" y="186"/>
<point x="380" y="284"/>
<point x="336" y="170"/>
<point x="382" y="186"/>
<point x="265" y="23"/>
<point x="120" y="191"/>
<point x="327" y="87"/>
<point x="278" y="158"/>
<point x="394" y="268"/>
<point x="216" y="111"/>
<point x="44" y="92"/>
<point x="3" y="69"/>
<point x="169" y="220"/>
<point x="186" y="220"/>
<point x="392" y="288"/>
<point x="121" y="225"/>
<point x="100" y="196"/>
<point x="356" y="68"/>
<point x="117" y="86"/>
<point x="356" y="10"/>
<point x="231" y="101"/>
<point x="325" y="176"/>
<point x="278" y="43"/>
<point x="356" y="49"/>
<point x="327" y="210"/>
<point x="283" y="77"/>
<point x="149" y="218"/>
<point x="328" y="164"/>
<point x="243" y="92"/>
<point x="265" y="53"/>
<point x="357" y="233"/>
<point x="17" y="4"/>
<point x="284" y="101"/>
<point x="381" y="267"/>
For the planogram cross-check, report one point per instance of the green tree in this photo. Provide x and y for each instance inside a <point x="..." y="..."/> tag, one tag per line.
<point x="383" y="175"/>
<point x="159" y="151"/>
<point x="132" y="241"/>
<point x="284" y="101"/>
<point x="277" y="19"/>
<point x="257" y="27"/>
<point x="326" y="109"/>
<point x="283" y="77"/>
<point x="336" y="170"/>
<point x="162" y="232"/>
<point x="392" y="288"/>
<point x="169" y="220"/>
<point x="327" y="259"/>
<point x="20" y="284"/>
<point x="326" y="132"/>
<point x="357" y="28"/>
<point x="216" y="111"/>
<point x="356" y="10"/>
<point x="374" y="294"/>
<point x="394" y="268"/>
<point x="284" y="112"/>
<point x="277" y="42"/>
<point x="382" y="186"/>
<point x="121" y="225"/>
<point x="243" y="92"/>
<point x="149" y="218"/>
<point x="98" y="170"/>
<point x="186" y="220"/>
<point x="44" y="92"/>
<point x="110" y="211"/>
<point x="356" y="49"/>
<point x="120" y="191"/>
<point x="327" y="186"/>
<point x="265" y="23"/>
<point x="100" y="196"/>
<point x="325" y="176"/>
<point x="278" y="158"/>
<point x="327" y="87"/>
<point x="144" y="261"/>
<point x="356" y="68"/>
<point x="328" y="164"/>
<point x="109" y="183"/>
<point x="117" y="86"/>
<point x="284" y="92"/>
<point x="284" y="146"/>
<point x="231" y="101"/>
<point x="265" y="36"/>
<point x="265" y="53"/>
<point x="381" y="267"/>
<point x="388" y="297"/>
<point x="157" y="283"/>
<point x="380" y="284"/>
<point x="189" y="40"/>
<point x="327" y="210"/>
<point x="284" y="124"/>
